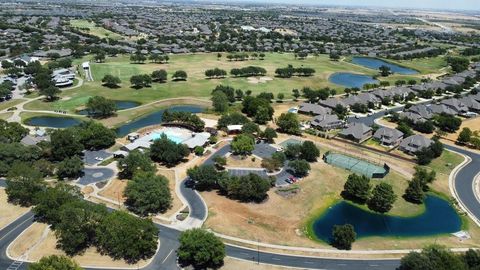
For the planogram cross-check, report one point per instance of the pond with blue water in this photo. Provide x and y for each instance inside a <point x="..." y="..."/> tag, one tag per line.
<point x="375" y="63"/>
<point x="351" y="80"/>
<point x="52" y="121"/>
<point x="121" y="105"/>
<point x="439" y="217"/>
<point x="154" y="118"/>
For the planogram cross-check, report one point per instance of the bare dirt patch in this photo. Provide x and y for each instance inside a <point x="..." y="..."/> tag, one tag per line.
<point x="9" y="212"/>
<point x="114" y="190"/>
<point x="244" y="162"/>
<point x="38" y="241"/>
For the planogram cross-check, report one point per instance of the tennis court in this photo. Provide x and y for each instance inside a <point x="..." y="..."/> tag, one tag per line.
<point x="356" y="165"/>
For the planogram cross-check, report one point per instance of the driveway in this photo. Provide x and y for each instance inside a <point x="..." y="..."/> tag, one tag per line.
<point x="89" y="157"/>
<point x="95" y="175"/>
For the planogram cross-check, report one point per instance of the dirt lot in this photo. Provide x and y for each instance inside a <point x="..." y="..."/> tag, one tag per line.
<point x="39" y="241"/>
<point x="9" y="212"/>
<point x="244" y="162"/>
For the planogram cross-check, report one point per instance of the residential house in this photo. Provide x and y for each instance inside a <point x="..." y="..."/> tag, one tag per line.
<point x="332" y="103"/>
<point x="357" y="132"/>
<point x="455" y="104"/>
<point x="471" y="103"/>
<point x="327" y="122"/>
<point x="388" y="136"/>
<point x="442" y="109"/>
<point x="414" y="143"/>
<point x="313" y="109"/>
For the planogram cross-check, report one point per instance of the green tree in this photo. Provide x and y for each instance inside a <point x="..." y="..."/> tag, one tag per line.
<point x="289" y="123"/>
<point x="50" y="200"/>
<point x="123" y="236"/>
<point x="111" y="81"/>
<point x="201" y="249"/>
<point x="199" y="150"/>
<point x="179" y="75"/>
<point x="50" y="92"/>
<point x="251" y="128"/>
<point x="159" y="75"/>
<point x="148" y="194"/>
<point x="11" y="132"/>
<point x="54" y="262"/>
<point x="384" y="71"/>
<point x="309" y="151"/>
<point x="234" y="118"/>
<point x="433" y="257"/>
<point x="246" y="188"/>
<point x="414" y="192"/>
<point x="295" y="94"/>
<point x="269" y="134"/>
<point x="343" y="236"/>
<point x="23" y="183"/>
<point x="94" y="136"/>
<point x="357" y="188"/>
<point x="299" y="167"/>
<point x="65" y="143"/>
<point x="134" y="162"/>
<point x="167" y="151"/>
<point x="219" y="101"/>
<point x="243" y="144"/>
<point x="465" y="136"/>
<point x="101" y="107"/>
<point x="382" y="198"/>
<point x="70" y="168"/>
<point x="100" y="57"/>
<point x="262" y="116"/>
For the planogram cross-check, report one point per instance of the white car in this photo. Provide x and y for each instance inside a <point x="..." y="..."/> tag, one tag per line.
<point x="99" y="158"/>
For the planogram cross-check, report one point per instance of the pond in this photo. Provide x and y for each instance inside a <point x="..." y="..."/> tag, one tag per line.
<point x="351" y="79"/>
<point x="375" y="63"/>
<point x="121" y="105"/>
<point x="439" y="218"/>
<point x="52" y="121"/>
<point x="154" y="119"/>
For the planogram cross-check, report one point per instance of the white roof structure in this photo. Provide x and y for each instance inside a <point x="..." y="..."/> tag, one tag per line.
<point x="234" y="127"/>
<point x="86" y="65"/>
<point x="198" y="139"/>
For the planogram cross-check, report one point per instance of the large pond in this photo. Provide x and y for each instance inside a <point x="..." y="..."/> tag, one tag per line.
<point x="154" y="119"/>
<point x="52" y="121"/>
<point x="351" y="79"/>
<point x="375" y="63"/>
<point x="439" y="218"/>
<point x="121" y="105"/>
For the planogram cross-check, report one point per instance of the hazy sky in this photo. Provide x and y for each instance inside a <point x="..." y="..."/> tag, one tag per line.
<point x="435" y="4"/>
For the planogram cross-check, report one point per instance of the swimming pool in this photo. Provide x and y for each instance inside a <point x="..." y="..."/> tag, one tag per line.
<point x="171" y="135"/>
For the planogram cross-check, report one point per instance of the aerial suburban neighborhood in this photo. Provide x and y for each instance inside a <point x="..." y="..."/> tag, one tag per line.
<point x="239" y="135"/>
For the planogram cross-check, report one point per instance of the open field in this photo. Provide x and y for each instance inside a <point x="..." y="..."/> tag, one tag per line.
<point x="5" y="116"/>
<point x="9" y="212"/>
<point x="38" y="241"/>
<point x="94" y="30"/>
<point x="200" y="87"/>
<point x="11" y="103"/>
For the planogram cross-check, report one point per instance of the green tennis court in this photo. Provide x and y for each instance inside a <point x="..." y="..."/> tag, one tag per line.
<point x="356" y="165"/>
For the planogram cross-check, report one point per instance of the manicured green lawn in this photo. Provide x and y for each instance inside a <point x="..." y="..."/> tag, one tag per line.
<point x="94" y="30"/>
<point x="197" y="85"/>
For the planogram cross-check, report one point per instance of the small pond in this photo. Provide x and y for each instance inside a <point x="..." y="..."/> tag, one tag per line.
<point x="351" y="79"/>
<point x="375" y="63"/>
<point x="154" y="119"/>
<point x="52" y="121"/>
<point x="121" y="105"/>
<point x="439" y="218"/>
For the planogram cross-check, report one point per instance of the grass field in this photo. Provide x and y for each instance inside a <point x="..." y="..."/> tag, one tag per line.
<point x="197" y="85"/>
<point x="94" y="30"/>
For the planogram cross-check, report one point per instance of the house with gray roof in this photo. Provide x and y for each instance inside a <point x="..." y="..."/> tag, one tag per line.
<point x="422" y="110"/>
<point x="327" y="122"/>
<point x="455" y="104"/>
<point x="363" y="98"/>
<point x="412" y="144"/>
<point x="412" y="116"/>
<point x="442" y="109"/>
<point x="471" y="103"/>
<point x="332" y="103"/>
<point x="388" y="136"/>
<point x="313" y="109"/>
<point x="357" y="132"/>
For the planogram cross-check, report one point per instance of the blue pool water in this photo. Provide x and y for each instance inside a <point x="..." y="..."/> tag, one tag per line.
<point x="350" y="79"/>
<point x="154" y="119"/>
<point x="375" y="63"/>
<point x="439" y="218"/>
<point x="53" y="122"/>
<point x="170" y="135"/>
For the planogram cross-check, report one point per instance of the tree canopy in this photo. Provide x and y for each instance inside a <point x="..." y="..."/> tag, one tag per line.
<point x="343" y="236"/>
<point x="201" y="249"/>
<point x="167" y="151"/>
<point x="134" y="162"/>
<point x="54" y="262"/>
<point x="357" y="188"/>
<point x="101" y="107"/>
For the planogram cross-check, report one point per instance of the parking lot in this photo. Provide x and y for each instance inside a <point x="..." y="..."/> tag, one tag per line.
<point x="95" y="175"/>
<point x="94" y="157"/>
<point x="264" y="150"/>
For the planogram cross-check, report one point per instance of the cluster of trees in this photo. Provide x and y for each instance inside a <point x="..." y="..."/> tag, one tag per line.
<point x="384" y="71"/>
<point x="54" y="262"/>
<point x="314" y="95"/>
<point x="458" y="64"/>
<point x="179" y="75"/>
<point x="159" y="76"/>
<point x="440" y="258"/>
<point x="42" y="78"/>
<point x="343" y="236"/>
<point x="358" y="189"/>
<point x="111" y="81"/>
<point x="469" y="137"/>
<point x="258" y="108"/>
<point x="234" y="118"/>
<point x="446" y="122"/>
<point x="138" y="58"/>
<point x="299" y="156"/>
<point x="245" y="56"/>
<point x="201" y="249"/>
<point x="158" y="58"/>
<point x="215" y="73"/>
<point x="405" y="125"/>
<point x="290" y="71"/>
<point x="168" y="152"/>
<point x="289" y="123"/>
<point x="79" y="224"/>
<point x="415" y="192"/>
<point x="140" y="81"/>
<point x="100" y="107"/>
<point x="248" y="71"/>
<point x="430" y="53"/>
<point x="185" y="118"/>
<point x="471" y="51"/>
